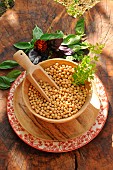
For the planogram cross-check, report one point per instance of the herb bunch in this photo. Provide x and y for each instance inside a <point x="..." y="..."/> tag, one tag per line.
<point x="37" y="34"/>
<point x="72" y="47"/>
<point x="80" y="47"/>
<point x="84" y="71"/>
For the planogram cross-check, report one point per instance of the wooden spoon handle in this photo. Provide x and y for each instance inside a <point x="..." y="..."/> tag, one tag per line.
<point x="23" y="60"/>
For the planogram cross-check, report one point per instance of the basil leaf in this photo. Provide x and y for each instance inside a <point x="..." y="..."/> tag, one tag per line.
<point x="4" y="82"/>
<point x="37" y="33"/>
<point x="32" y="42"/>
<point x="23" y="45"/>
<point x="51" y="36"/>
<point x="80" y="27"/>
<point x="84" y="45"/>
<point x="75" y="48"/>
<point x="71" y="39"/>
<point x="8" y="64"/>
<point x="13" y="75"/>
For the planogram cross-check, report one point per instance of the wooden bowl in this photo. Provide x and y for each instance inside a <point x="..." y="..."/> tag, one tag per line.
<point x="26" y="84"/>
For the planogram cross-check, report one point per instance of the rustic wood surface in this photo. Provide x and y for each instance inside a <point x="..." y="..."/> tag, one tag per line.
<point x="16" y="25"/>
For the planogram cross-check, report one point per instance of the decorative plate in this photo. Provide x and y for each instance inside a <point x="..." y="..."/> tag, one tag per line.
<point x="59" y="146"/>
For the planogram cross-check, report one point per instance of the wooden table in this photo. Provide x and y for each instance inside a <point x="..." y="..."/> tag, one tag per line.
<point x="16" y="25"/>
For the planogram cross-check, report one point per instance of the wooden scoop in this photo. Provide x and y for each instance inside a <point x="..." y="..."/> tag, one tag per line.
<point x="34" y="72"/>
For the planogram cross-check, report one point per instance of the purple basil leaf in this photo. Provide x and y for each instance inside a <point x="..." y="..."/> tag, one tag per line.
<point x="66" y="50"/>
<point x="54" y="44"/>
<point x="34" y="56"/>
<point x="36" y="60"/>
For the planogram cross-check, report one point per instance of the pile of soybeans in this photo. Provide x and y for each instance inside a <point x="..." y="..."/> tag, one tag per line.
<point x="65" y="101"/>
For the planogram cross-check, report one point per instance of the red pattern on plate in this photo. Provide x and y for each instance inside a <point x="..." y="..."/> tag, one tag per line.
<point x="59" y="146"/>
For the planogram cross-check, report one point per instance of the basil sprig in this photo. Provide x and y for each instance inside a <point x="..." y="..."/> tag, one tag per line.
<point x="79" y="49"/>
<point x="13" y="75"/>
<point x="5" y="81"/>
<point x="8" y="64"/>
<point x="84" y="71"/>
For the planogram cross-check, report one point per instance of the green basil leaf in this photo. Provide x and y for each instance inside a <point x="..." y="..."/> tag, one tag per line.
<point x="75" y="48"/>
<point x="80" y="52"/>
<point x="4" y="82"/>
<point x="32" y="42"/>
<point x="8" y="64"/>
<point x="37" y="33"/>
<point x="51" y="36"/>
<point x="23" y="45"/>
<point x="13" y="75"/>
<point x="80" y="27"/>
<point x="84" y="45"/>
<point x="71" y="39"/>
